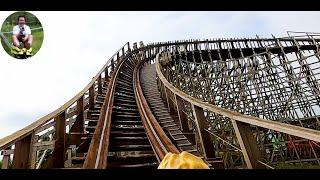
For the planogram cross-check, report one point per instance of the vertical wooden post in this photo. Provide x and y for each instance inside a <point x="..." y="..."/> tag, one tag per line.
<point x="158" y="83"/>
<point x="183" y="120"/>
<point x="59" y="148"/>
<point x="91" y="97"/>
<point x="170" y="102"/>
<point x="69" y="153"/>
<point x="99" y="85"/>
<point x="5" y="162"/>
<point x="195" y="46"/>
<point x="33" y="151"/>
<point x="122" y="51"/>
<point x="106" y="76"/>
<point x="112" y="64"/>
<point x="118" y="57"/>
<point x="78" y="125"/>
<point x="166" y="97"/>
<point x="163" y="95"/>
<point x="6" y="158"/>
<point x="248" y="144"/>
<point x="205" y="138"/>
<point x="21" y="153"/>
<point x="68" y="162"/>
<point x="129" y="48"/>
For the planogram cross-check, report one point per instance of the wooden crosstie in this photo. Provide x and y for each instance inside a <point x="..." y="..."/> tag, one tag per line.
<point x="236" y="103"/>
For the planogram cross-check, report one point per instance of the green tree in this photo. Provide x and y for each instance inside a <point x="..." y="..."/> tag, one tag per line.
<point x="31" y="19"/>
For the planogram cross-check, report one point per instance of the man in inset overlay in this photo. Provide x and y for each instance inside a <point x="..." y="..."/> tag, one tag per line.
<point x="22" y="33"/>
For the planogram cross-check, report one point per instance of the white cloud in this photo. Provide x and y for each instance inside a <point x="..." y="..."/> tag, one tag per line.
<point x="77" y="44"/>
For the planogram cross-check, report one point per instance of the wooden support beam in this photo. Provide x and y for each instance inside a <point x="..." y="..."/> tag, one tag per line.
<point x="191" y="137"/>
<point x="75" y="138"/>
<point x="5" y="162"/>
<point x="166" y="98"/>
<point x="123" y="51"/>
<point x="59" y="148"/>
<point x="44" y="127"/>
<point x="6" y="158"/>
<point x="106" y="76"/>
<point x="8" y="151"/>
<point x="48" y="163"/>
<point x="99" y="85"/>
<point x="91" y="97"/>
<point x="171" y="105"/>
<point x="33" y="151"/>
<point x="163" y="94"/>
<point x="21" y="153"/>
<point x="71" y="112"/>
<point x="205" y="138"/>
<point x="68" y="162"/>
<point x="183" y="119"/>
<point x="78" y="125"/>
<point x="160" y="88"/>
<point x="248" y="144"/>
<point x="112" y="65"/>
<point x="44" y="145"/>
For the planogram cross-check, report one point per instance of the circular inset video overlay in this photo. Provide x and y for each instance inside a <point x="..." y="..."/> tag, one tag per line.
<point x="21" y="35"/>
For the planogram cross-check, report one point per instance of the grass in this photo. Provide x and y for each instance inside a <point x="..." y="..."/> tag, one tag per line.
<point x="297" y="166"/>
<point x="37" y="38"/>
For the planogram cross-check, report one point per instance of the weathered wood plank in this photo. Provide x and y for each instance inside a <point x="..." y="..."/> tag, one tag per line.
<point x="21" y="153"/>
<point x="6" y="158"/>
<point x="59" y="148"/>
<point x="44" y="145"/>
<point x="7" y="152"/>
<point x="183" y="119"/>
<point x="99" y="85"/>
<point x="78" y="125"/>
<point x="74" y="138"/>
<point x="46" y="126"/>
<point x="204" y="136"/>
<point x="33" y="151"/>
<point x="91" y="97"/>
<point x="248" y="144"/>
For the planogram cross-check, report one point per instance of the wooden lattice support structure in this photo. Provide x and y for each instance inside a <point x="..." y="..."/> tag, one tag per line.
<point x="249" y="103"/>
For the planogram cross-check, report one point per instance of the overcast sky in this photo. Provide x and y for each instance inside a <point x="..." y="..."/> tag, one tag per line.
<point x="77" y="44"/>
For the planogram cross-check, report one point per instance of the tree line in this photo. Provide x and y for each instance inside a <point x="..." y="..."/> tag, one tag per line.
<point x="31" y="19"/>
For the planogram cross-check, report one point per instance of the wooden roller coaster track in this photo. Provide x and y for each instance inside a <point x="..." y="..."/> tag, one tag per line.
<point x="192" y="95"/>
